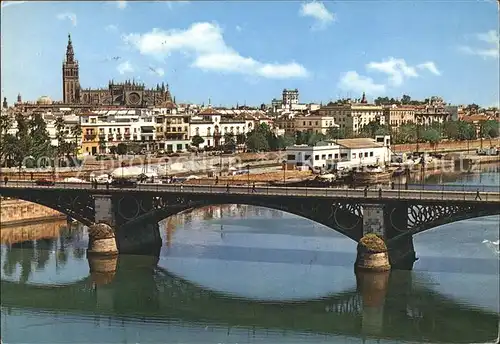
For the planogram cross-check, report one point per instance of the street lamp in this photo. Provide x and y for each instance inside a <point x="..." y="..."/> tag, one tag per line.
<point x="220" y="164"/>
<point x="284" y="171"/>
<point x="248" y="176"/>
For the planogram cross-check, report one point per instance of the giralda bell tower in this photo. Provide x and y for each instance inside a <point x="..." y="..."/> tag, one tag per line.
<point x="71" y="80"/>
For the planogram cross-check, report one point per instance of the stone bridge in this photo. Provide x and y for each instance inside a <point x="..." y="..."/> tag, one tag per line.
<point x="396" y="215"/>
<point x="411" y="314"/>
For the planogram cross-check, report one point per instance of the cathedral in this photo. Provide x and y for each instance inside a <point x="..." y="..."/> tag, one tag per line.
<point x="129" y="94"/>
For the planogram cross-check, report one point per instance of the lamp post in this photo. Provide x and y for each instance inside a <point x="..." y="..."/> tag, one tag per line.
<point x="220" y="164"/>
<point x="284" y="171"/>
<point x="248" y="176"/>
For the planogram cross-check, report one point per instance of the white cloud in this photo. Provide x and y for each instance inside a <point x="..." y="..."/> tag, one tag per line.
<point x="111" y="28"/>
<point x="492" y="48"/>
<point x="125" y="67"/>
<point x="121" y="4"/>
<point x="238" y="28"/>
<point x="396" y="69"/>
<point x="319" y="12"/>
<point x="430" y="66"/>
<point x="205" y="41"/>
<point x="12" y="3"/>
<point x="67" y="15"/>
<point x="352" y="81"/>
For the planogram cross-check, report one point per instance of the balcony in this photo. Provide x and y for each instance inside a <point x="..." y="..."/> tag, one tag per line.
<point x="90" y="137"/>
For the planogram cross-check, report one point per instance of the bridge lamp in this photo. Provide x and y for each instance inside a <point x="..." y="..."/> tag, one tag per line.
<point x="248" y="174"/>
<point x="284" y="171"/>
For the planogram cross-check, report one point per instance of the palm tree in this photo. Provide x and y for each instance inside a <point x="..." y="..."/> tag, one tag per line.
<point x="60" y="137"/>
<point x="76" y="131"/>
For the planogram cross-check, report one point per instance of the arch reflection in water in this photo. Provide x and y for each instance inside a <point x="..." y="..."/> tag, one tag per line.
<point x="140" y="292"/>
<point x="258" y="253"/>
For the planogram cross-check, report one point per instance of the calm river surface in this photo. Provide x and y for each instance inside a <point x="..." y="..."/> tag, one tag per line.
<point x="239" y="274"/>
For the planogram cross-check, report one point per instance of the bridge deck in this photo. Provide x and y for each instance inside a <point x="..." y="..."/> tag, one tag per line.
<point x="386" y="194"/>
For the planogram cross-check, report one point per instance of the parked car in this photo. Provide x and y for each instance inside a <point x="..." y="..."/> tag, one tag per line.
<point x="124" y="183"/>
<point x="44" y="182"/>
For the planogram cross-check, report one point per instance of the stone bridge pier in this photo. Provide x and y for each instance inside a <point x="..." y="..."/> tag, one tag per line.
<point x="113" y="233"/>
<point x="388" y="220"/>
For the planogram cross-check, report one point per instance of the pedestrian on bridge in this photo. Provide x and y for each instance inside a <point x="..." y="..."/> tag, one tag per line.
<point x="227" y="187"/>
<point x="477" y="195"/>
<point x="5" y="180"/>
<point x="380" y="192"/>
<point x="366" y="191"/>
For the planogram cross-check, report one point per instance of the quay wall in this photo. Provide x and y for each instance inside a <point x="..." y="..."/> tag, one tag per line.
<point x="446" y="146"/>
<point x="13" y="212"/>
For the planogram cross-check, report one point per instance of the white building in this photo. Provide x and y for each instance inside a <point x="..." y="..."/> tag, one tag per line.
<point x="340" y="154"/>
<point x="210" y="125"/>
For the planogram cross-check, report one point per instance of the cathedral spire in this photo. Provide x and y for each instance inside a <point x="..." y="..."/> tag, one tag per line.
<point x="70" y="54"/>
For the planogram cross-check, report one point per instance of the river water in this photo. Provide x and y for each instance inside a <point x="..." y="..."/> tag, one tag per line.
<point x="240" y="274"/>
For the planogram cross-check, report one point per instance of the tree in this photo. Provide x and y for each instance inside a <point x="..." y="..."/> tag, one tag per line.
<point x="314" y="138"/>
<point x="466" y="131"/>
<point x="8" y="149"/>
<point x="431" y="135"/>
<point x="405" y="99"/>
<point x="102" y="145"/>
<point x="450" y="130"/>
<point x="229" y="142"/>
<point x="40" y="145"/>
<point x="23" y="140"/>
<point x="112" y="150"/>
<point x="240" y="139"/>
<point x="335" y="133"/>
<point x="76" y="132"/>
<point x="62" y="147"/>
<point x="285" y="141"/>
<point x="121" y="149"/>
<point x="256" y="142"/>
<point x="197" y="140"/>
<point x="374" y="128"/>
<point x="406" y="133"/>
<point x="6" y="121"/>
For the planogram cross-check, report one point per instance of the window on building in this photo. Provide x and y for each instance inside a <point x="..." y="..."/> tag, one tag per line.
<point x="336" y="156"/>
<point x="290" y="157"/>
<point x="329" y="156"/>
<point x="323" y="156"/>
<point x="316" y="157"/>
<point x="360" y="155"/>
<point x="366" y="154"/>
<point x="371" y="153"/>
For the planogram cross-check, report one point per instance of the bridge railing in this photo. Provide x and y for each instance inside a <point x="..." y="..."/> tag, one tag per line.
<point x="439" y="192"/>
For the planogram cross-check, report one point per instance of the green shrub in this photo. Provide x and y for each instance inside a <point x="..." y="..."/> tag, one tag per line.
<point x="372" y="243"/>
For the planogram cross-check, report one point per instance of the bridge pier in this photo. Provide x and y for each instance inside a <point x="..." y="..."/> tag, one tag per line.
<point x="102" y="239"/>
<point x="387" y="221"/>
<point x="143" y="239"/>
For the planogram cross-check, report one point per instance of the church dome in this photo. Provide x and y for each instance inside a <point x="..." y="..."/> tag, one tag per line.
<point x="44" y="100"/>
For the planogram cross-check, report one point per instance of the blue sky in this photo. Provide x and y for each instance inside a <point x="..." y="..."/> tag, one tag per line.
<point x="248" y="51"/>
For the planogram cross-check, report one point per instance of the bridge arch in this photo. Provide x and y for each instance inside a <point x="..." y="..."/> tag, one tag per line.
<point x="343" y="217"/>
<point x="424" y="217"/>
<point x="76" y="204"/>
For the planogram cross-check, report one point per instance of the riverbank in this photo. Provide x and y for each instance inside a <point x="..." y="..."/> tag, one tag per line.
<point x="446" y="146"/>
<point x="17" y="212"/>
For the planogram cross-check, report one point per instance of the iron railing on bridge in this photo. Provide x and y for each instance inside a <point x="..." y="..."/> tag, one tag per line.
<point x="415" y="191"/>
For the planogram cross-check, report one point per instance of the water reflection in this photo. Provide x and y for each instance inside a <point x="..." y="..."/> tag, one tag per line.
<point x="246" y="274"/>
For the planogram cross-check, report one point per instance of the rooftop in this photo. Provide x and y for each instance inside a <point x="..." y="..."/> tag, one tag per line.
<point x="359" y="143"/>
